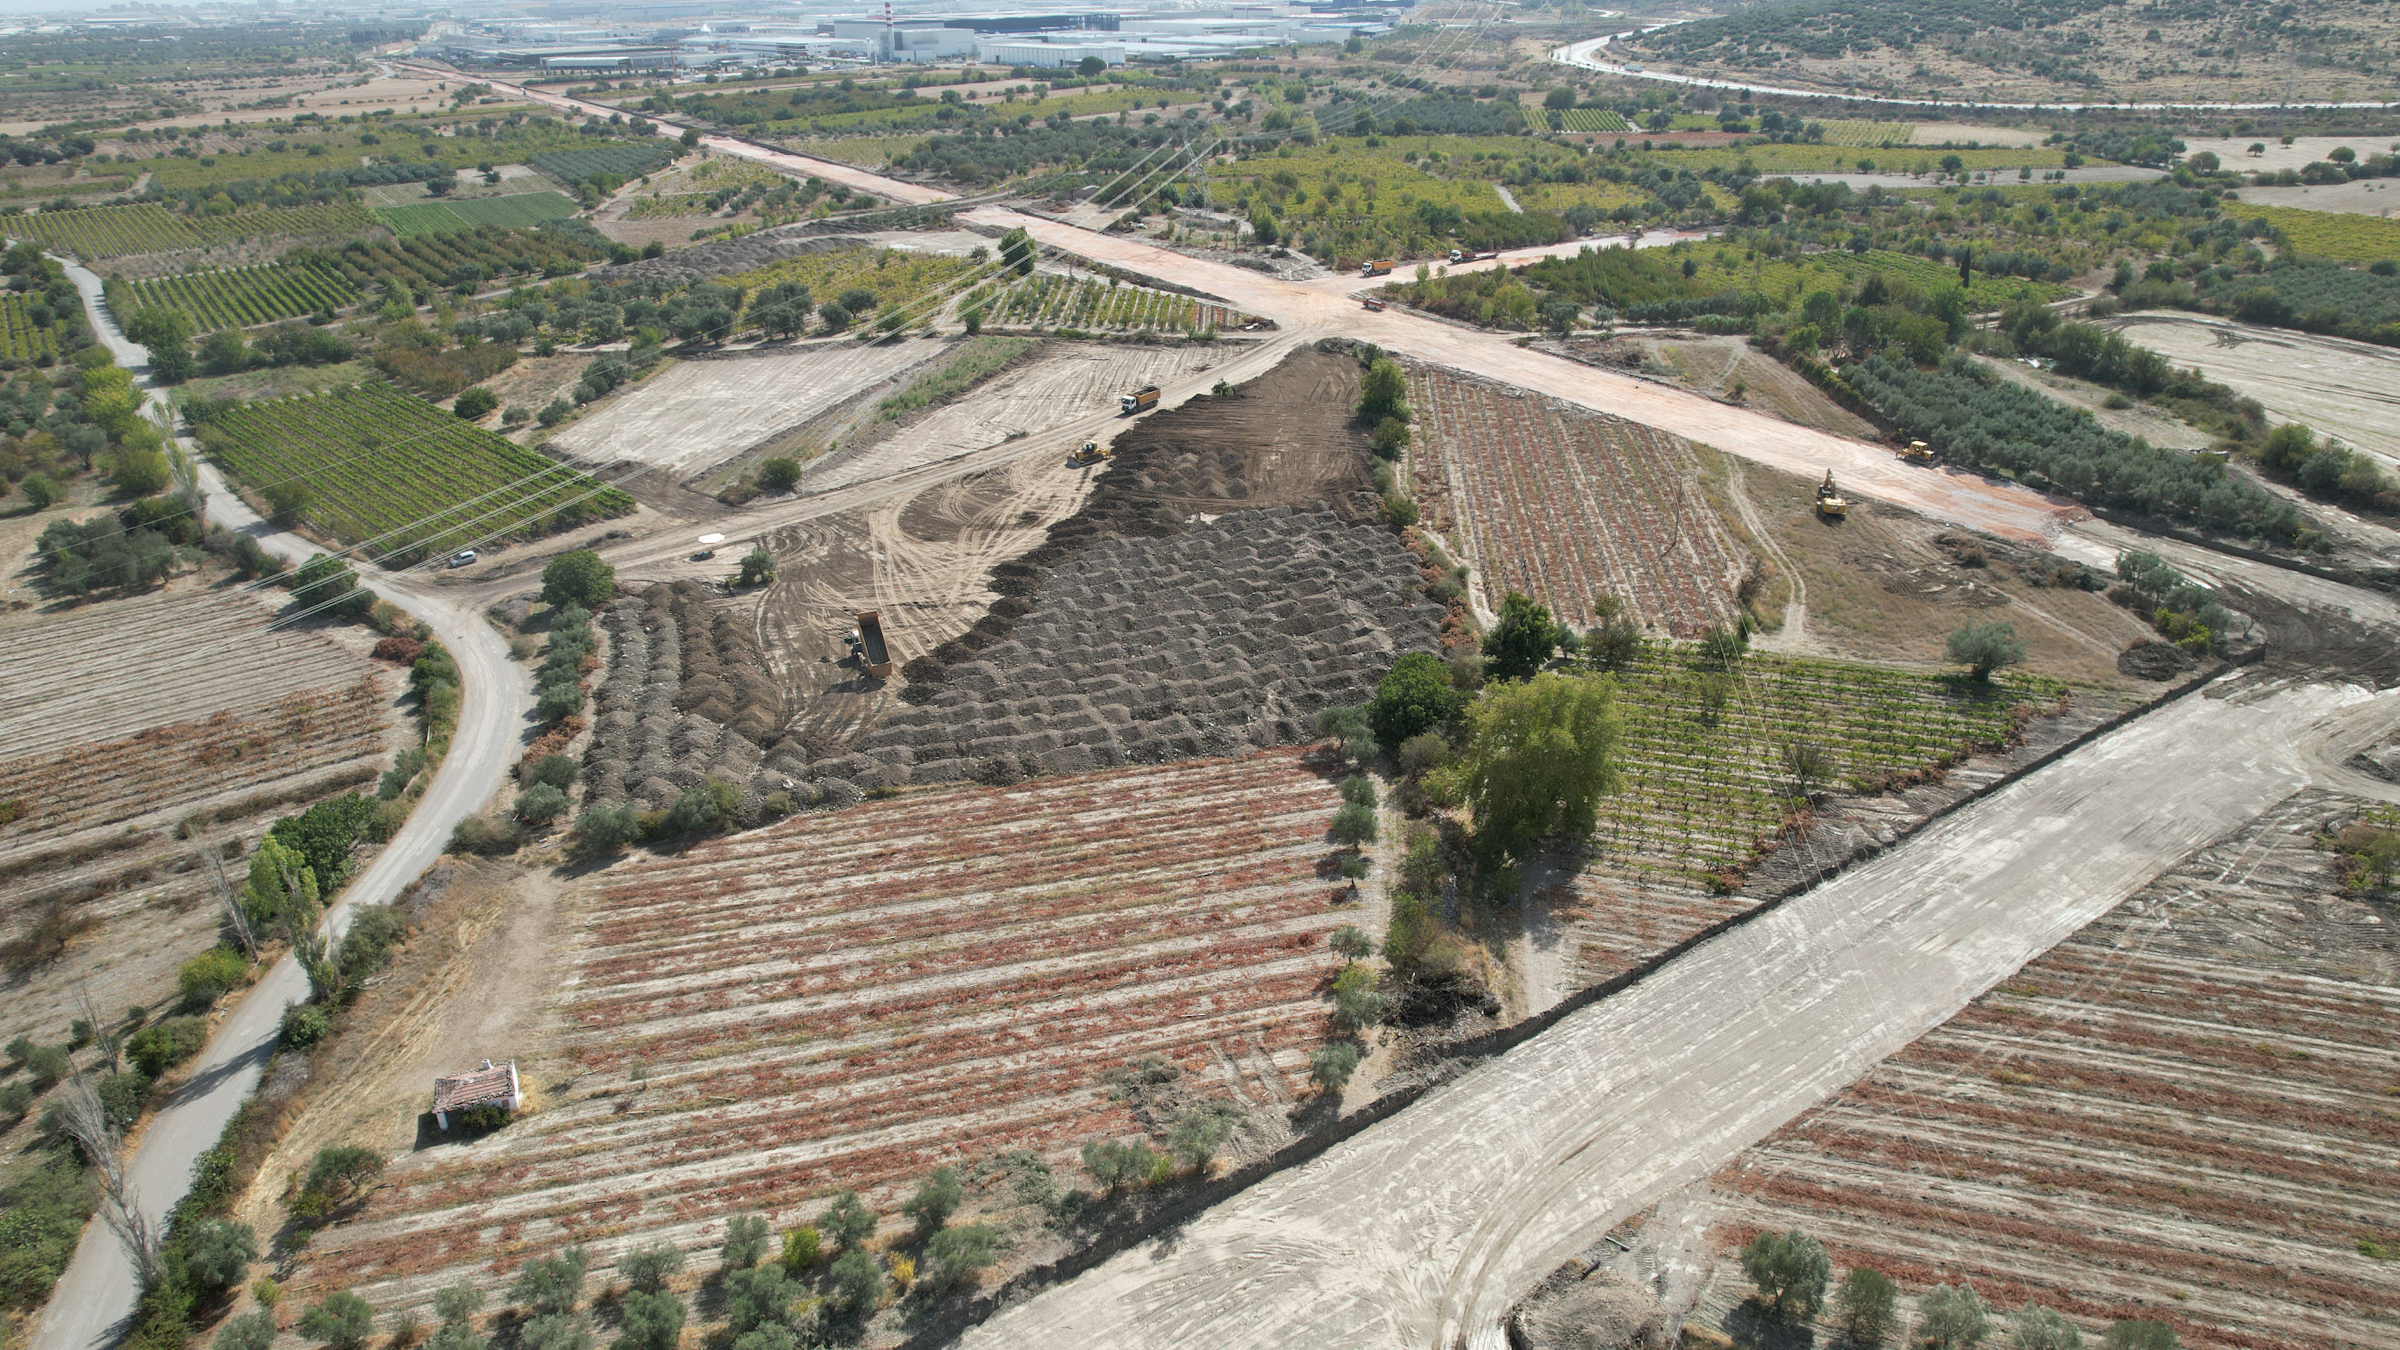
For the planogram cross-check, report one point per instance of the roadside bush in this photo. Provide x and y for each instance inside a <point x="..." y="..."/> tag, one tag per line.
<point x="164" y="1044"/>
<point x="304" y="1024"/>
<point x="250" y="1331"/>
<point x="489" y="838"/>
<point x="121" y="1096"/>
<point x="217" y="1254"/>
<point x="204" y="979"/>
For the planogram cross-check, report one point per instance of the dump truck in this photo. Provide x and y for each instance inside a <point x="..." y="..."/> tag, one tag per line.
<point x="1830" y="502"/>
<point x="1918" y="452"/>
<point x="1373" y="306"/>
<point x="1380" y="268"/>
<point x="1140" y="400"/>
<point x="1091" y="453"/>
<point x="1467" y="255"/>
<point x="873" y="653"/>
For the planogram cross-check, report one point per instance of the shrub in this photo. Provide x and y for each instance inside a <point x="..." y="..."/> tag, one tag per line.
<point x="556" y="1331"/>
<point x="342" y="1321"/>
<point x="956" y="1253"/>
<point x="1422" y="752"/>
<point x="1197" y="1135"/>
<point x="1331" y="1066"/>
<point x="803" y="1247"/>
<point x="1357" y="1003"/>
<point x="163" y="1045"/>
<point x="218" y="1253"/>
<point x="558" y="771"/>
<point x="1118" y="1164"/>
<point x="647" y="1269"/>
<point x="2040" y="1328"/>
<point x="779" y="473"/>
<point x="541" y="804"/>
<point x="457" y="1302"/>
<point x="605" y="829"/>
<point x="489" y="838"/>
<point x="339" y="1173"/>
<point x="757" y="1295"/>
<point x="847" y="1221"/>
<point x="304" y="1024"/>
<point x="2139" y="1335"/>
<point x="934" y="1201"/>
<point x="856" y="1281"/>
<point x="204" y="979"/>
<point x="558" y="700"/>
<point x="250" y="1331"/>
<point x="1354" y="825"/>
<point x="1350" y="942"/>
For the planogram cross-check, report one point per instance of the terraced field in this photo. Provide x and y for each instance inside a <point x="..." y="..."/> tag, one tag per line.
<point x="2183" y="1114"/>
<point x="1564" y="504"/>
<point x="849" y="1000"/>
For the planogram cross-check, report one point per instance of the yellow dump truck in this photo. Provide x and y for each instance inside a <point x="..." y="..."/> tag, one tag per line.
<point x="1140" y="400"/>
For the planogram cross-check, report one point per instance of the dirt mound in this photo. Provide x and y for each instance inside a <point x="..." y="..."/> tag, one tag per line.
<point x="1598" y="1311"/>
<point x="725" y="676"/>
<point x="2154" y="661"/>
<point x="746" y="254"/>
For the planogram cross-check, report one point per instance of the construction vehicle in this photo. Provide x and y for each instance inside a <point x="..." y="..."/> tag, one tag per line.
<point x="1140" y="400"/>
<point x="1918" y="452"/>
<point x="1830" y="502"/>
<point x="1379" y="268"/>
<point x="873" y="653"/>
<point x="1461" y="255"/>
<point x="1091" y="453"/>
<point x="1373" y="306"/>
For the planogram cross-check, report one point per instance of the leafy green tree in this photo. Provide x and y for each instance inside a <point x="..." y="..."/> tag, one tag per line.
<point x="168" y="335"/>
<point x="1382" y="392"/>
<point x="1985" y="647"/>
<point x="556" y="1331"/>
<point x="1413" y="697"/>
<point x="456" y="1336"/>
<point x="647" y="1269"/>
<point x="653" y="1321"/>
<point x="833" y="317"/>
<point x="340" y="1321"/>
<point x="475" y="403"/>
<point x="578" y="577"/>
<point x="552" y="1284"/>
<point x="287" y="502"/>
<point x="803" y="1247"/>
<point x="848" y="1221"/>
<point x="758" y="568"/>
<point x="1354" y="825"/>
<point x="1330" y="1066"/>
<point x="1720" y="648"/>
<point x="1357" y="1002"/>
<point x="2038" y="1328"/>
<point x="779" y="473"/>
<point x="758" y="1295"/>
<point x="956" y="1253"/>
<point x="327" y="583"/>
<point x="42" y="490"/>
<point x="218" y="1253"/>
<point x="1863" y="1307"/>
<point x="934" y="1201"/>
<point x="1524" y="638"/>
<point x="856" y="1281"/>
<point x="1017" y="252"/>
<point x="458" y="1302"/>
<point x="745" y="1242"/>
<point x="1347" y="727"/>
<point x="1537" y="762"/>
<point x="1791" y="1270"/>
<point x="1262" y="225"/>
<point x="1953" y="1317"/>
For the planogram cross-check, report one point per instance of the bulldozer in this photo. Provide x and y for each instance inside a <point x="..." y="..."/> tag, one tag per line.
<point x="1830" y="502"/>
<point x="1918" y="452"/>
<point x="1091" y="453"/>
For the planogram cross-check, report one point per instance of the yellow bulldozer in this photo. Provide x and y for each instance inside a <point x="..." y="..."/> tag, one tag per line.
<point x="1091" y="453"/>
<point x="1830" y="502"/>
<point x="1918" y="452"/>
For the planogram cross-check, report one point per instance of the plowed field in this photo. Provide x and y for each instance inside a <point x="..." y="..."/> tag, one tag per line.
<point x="1563" y="504"/>
<point x="2180" y="1114"/>
<point x="849" y="1000"/>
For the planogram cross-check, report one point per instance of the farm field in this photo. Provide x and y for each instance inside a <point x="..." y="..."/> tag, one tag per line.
<point x="1850" y="131"/>
<point x="2348" y="236"/>
<point x="425" y="262"/>
<point x="1564" y="505"/>
<point x="20" y="337"/>
<point x="1593" y="119"/>
<point x="239" y="297"/>
<point x="517" y="209"/>
<point x="1048" y="299"/>
<point x="846" y="1001"/>
<point x="624" y="160"/>
<point x="401" y="476"/>
<point x="145" y="227"/>
<point x="701" y="412"/>
<point x="2179" y="1114"/>
<point x="97" y="883"/>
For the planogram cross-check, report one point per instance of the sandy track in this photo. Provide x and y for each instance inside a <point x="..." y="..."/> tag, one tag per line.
<point x="1865" y="470"/>
<point x="702" y="412"/>
<point x="1422" y="1230"/>
<point x="2338" y="387"/>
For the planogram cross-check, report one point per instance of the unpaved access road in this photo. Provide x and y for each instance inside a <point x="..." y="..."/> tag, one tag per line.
<point x="88" y="1308"/>
<point x="2336" y="386"/>
<point x="1426" y="1227"/>
<point x="1323" y="308"/>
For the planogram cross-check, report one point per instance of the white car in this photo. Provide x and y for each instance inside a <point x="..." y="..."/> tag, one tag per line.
<point x="462" y="557"/>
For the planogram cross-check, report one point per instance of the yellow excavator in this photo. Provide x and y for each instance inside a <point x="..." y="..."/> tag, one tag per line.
<point x="1918" y="452"/>
<point x="1091" y="453"/>
<point x="1830" y="502"/>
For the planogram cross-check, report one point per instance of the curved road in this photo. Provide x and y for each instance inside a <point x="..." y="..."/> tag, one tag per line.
<point x="97" y="1292"/>
<point x="1585" y="55"/>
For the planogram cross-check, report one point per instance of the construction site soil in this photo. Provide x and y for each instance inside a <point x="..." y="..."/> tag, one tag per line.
<point x="2181" y="1114"/>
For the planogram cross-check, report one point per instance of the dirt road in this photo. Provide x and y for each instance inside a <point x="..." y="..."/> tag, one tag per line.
<point x="87" y="1309"/>
<point x="1425" y="1228"/>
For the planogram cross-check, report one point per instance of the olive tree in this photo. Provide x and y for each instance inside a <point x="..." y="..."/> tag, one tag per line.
<point x="1791" y="1270"/>
<point x="1954" y="1317"/>
<point x="1986" y="647"/>
<point x="1863" y="1307"/>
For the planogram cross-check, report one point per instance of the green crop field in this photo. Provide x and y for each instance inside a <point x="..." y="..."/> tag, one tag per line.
<point x="20" y="339"/>
<point x="2327" y="234"/>
<point x="239" y="297"/>
<point x="429" y="262"/>
<point x="625" y="160"/>
<point x="1593" y="119"/>
<point x="146" y="227"/>
<point x="400" y="475"/>
<point x="1848" y="132"/>
<point x="521" y="209"/>
<point x="1089" y="303"/>
<point x="1700" y="787"/>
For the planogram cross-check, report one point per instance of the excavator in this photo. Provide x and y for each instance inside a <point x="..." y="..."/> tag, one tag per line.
<point x="1830" y="502"/>
<point x="1091" y="453"/>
